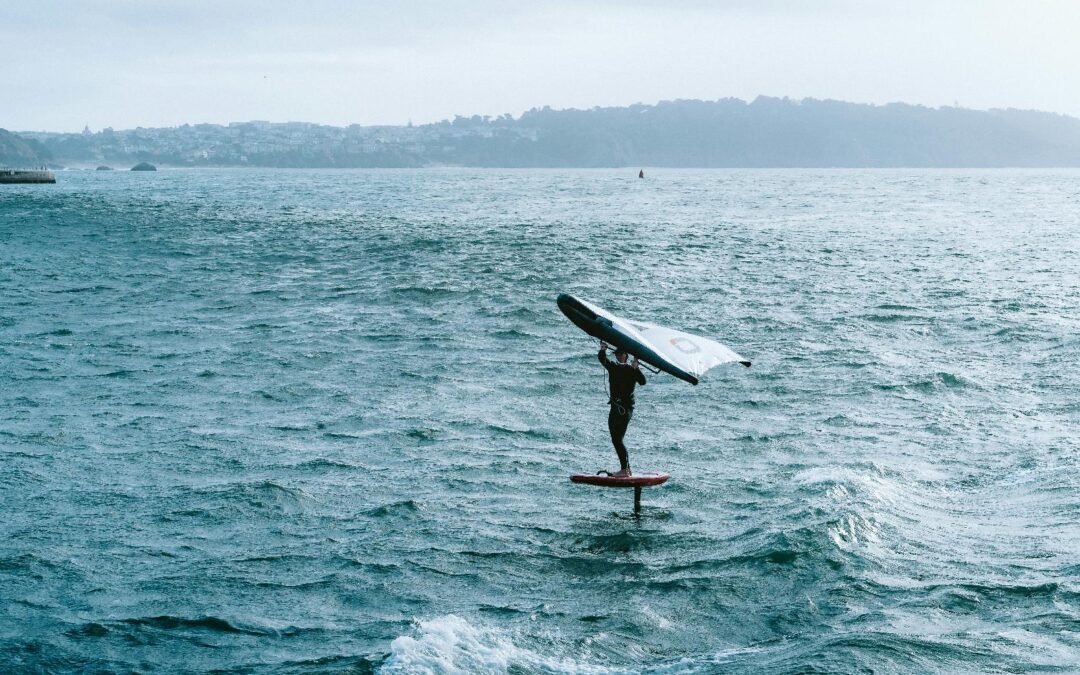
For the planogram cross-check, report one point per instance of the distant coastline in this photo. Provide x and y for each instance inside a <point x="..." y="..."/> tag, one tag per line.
<point x="767" y="132"/>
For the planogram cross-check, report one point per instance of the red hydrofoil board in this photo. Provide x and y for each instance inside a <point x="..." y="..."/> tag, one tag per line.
<point x="637" y="480"/>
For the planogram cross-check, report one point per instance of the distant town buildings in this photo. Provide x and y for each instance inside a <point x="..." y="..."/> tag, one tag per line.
<point x="263" y="143"/>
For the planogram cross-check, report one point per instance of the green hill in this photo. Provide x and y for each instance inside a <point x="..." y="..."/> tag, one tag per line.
<point x="19" y="153"/>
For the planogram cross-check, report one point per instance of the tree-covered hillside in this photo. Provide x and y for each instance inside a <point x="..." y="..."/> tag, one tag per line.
<point x="19" y="153"/>
<point x="767" y="132"/>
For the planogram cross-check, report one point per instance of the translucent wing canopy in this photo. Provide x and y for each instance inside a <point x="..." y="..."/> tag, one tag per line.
<point x="681" y="354"/>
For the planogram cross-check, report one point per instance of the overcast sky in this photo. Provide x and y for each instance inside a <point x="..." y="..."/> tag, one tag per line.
<point x="127" y="63"/>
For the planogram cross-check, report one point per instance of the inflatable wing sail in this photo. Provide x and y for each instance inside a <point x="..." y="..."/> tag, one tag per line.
<point x="683" y="355"/>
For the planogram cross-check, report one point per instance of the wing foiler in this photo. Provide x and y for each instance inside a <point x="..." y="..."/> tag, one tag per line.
<point x="683" y="355"/>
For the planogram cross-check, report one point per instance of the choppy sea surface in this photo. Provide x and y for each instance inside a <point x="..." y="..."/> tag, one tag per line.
<point x="322" y="421"/>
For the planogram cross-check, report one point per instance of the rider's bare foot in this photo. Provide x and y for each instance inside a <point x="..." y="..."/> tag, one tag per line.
<point x="621" y="473"/>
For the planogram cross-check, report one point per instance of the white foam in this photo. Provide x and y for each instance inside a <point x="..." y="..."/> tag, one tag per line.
<point x="449" y="644"/>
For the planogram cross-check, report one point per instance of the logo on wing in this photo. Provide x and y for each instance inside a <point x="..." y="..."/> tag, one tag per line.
<point x="685" y="345"/>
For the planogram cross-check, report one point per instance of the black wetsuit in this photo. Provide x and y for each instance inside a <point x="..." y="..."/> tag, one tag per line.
<point x="621" y="380"/>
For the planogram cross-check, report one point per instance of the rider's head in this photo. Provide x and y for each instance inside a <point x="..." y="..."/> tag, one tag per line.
<point x="620" y="355"/>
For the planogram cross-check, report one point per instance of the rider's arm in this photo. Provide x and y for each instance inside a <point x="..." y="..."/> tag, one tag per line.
<point x="640" y="376"/>
<point x="604" y="361"/>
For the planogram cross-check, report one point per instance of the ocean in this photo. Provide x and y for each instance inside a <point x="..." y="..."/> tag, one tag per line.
<point x="294" y="421"/>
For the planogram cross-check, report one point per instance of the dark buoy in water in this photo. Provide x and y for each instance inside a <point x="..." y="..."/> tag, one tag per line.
<point x="641" y="173"/>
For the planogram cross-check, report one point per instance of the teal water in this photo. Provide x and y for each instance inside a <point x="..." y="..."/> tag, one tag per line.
<point x="301" y="421"/>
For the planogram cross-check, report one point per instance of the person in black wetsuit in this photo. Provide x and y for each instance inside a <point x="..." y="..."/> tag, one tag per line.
<point x="622" y="377"/>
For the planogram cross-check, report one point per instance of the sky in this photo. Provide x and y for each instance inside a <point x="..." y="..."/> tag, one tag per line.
<point x="128" y="63"/>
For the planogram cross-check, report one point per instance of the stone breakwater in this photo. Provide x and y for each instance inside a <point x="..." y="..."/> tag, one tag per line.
<point x="27" y="176"/>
